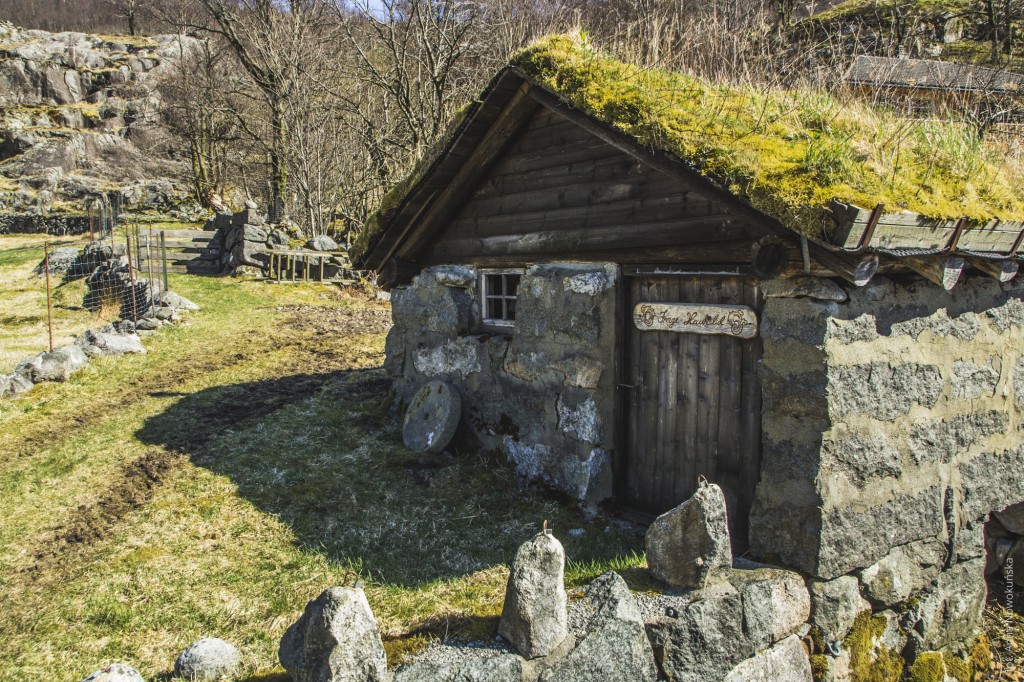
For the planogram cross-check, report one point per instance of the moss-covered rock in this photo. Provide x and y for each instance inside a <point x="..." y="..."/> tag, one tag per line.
<point x="870" y="659"/>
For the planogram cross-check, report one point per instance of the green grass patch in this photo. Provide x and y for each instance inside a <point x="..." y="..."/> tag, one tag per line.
<point x="214" y="485"/>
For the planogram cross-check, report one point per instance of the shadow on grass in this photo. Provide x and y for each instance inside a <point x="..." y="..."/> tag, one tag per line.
<point x="320" y="453"/>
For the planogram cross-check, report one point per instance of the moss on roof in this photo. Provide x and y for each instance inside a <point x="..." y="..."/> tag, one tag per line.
<point x="789" y="153"/>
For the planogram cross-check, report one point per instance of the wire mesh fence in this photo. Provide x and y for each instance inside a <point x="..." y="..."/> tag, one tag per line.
<point x="123" y="266"/>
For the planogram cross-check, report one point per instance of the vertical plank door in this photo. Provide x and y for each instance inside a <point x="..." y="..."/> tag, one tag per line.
<point x="693" y="404"/>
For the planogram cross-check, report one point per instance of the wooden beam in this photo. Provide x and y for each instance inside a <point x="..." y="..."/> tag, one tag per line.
<point x="448" y="200"/>
<point x="396" y="271"/>
<point x="857" y="270"/>
<point x="1002" y="270"/>
<point x="943" y="270"/>
<point x="770" y="256"/>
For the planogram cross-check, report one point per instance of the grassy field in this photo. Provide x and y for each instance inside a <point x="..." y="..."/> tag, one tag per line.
<point x="23" y="323"/>
<point x="214" y="485"/>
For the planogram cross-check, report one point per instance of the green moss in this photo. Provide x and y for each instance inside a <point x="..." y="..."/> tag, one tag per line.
<point x="403" y="649"/>
<point x="981" y="655"/>
<point x="927" y="668"/>
<point x="819" y="667"/>
<point x="957" y="668"/>
<point x="789" y="153"/>
<point x="869" y="663"/>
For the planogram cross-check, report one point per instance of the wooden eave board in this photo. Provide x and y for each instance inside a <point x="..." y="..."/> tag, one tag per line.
<point x="444" y="169"/>
<point x="905" y="230"/>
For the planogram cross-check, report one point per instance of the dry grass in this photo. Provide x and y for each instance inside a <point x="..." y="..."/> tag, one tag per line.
<point x="23" y="319"/>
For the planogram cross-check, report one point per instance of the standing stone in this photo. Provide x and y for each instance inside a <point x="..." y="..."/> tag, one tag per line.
<point x="686" y="544"/>
<point x="335" y="640"/>
<point x="116" y="672"/>
<point x="835" y="604"/>
<point x="432" y="418"/>
<point x="534" y="616"/>
<point x="787" y="661"/>
<point x="207" y="660"/>
<point x="613" y="646"/>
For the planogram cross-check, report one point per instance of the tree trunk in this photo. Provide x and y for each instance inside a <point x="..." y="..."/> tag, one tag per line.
<point x="278" y="159"/>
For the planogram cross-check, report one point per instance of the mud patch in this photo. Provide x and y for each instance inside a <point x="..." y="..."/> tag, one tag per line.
<point x="132" y="488"/>
<point x="351" y="321"/>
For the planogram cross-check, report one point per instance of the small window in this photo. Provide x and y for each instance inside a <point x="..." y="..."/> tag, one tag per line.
<point x="498" y="290"/>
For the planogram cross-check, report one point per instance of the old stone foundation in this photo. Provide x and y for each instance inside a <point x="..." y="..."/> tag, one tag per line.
<point x="890" y="424"/>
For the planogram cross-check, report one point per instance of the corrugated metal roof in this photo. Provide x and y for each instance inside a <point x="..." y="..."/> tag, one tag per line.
<point x="928" y="74"/>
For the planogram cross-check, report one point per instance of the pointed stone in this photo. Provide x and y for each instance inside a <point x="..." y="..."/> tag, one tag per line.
<point x="534" y="616"/>
<point x="686" y="544"/>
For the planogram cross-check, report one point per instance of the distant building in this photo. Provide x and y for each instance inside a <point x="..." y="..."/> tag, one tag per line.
<point x="922" y="87"/>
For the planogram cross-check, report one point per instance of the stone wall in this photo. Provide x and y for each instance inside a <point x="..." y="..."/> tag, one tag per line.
<point x="891" y="430"/>
<point x="38" y="224"/>
<point x="542" y="395"/>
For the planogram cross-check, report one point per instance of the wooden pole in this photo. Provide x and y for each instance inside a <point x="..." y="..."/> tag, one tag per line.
<point x="1002" y="270"/>
<point x="149" y="264"/>
<point x="163" y="257"/>
<point x="944" y="270"/>
<point x="49" y="300"/>
<point x="131" y="278"/>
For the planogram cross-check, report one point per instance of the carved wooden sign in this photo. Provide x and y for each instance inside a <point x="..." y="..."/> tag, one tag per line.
<point x="697" y="318"/>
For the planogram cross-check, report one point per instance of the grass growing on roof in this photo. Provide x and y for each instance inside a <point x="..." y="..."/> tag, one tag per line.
<point x="788" y="152"/>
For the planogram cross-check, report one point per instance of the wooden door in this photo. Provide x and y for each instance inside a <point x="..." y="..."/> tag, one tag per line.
<point x="692" y="403"/>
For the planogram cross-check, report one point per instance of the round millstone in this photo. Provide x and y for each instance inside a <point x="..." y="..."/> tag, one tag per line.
<point x="432" y="418"/>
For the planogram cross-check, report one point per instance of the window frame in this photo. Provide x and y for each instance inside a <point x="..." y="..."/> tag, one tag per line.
<point x="489" y="323"/>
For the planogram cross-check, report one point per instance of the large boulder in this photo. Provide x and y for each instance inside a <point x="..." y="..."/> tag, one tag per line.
<point x="335" y="640"/>
<point x="14" y="384"/>
<point x="208" y="659"/>
<point x="56" y="365"/>
<point x="786" y="661"/>
<point x="1012" y="518"/>
<point x="102" y="343"/>
<point x="61" y="260"/>
<point x="534" y="618"/>
<point x="612" y="643"/>
<point x="704" y="638"/>
<point x="116" y="672"/>
<point x="177" y="301"/>
<point x="686" y="544"/>
<point x="321" y="242"/>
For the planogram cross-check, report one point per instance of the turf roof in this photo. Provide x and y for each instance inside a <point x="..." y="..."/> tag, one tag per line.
<point x="789" y="153"/>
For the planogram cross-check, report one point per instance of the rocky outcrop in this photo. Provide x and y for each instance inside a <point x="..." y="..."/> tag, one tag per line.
<point x="72" y="107"/>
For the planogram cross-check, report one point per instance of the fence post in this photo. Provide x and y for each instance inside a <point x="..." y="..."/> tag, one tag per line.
<point x="49" y="301"/>
<point x="131" y="276"/>
<point x="163" y="257"/>
<point x="149" y="264"/>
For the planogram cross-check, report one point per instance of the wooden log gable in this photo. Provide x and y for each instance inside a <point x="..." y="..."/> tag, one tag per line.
<point x="529" y="178"/>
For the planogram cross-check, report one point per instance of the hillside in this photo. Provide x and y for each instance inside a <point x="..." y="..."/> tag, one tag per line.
<point x="79" y="121"/>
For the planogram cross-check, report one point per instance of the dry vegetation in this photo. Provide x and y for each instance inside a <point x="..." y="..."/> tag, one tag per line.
<point x="23" y="320"/>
